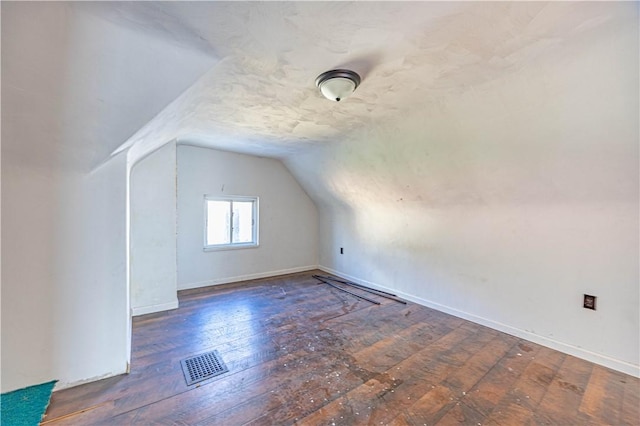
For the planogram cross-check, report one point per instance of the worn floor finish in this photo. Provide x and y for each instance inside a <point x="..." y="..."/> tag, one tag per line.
<point x="299" y="351"/>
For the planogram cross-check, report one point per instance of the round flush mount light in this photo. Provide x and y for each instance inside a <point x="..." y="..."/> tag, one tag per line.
<point x="337" y="85"/>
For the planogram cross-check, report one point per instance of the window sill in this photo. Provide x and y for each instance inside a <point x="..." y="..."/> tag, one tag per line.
<point x="231" y="247"/>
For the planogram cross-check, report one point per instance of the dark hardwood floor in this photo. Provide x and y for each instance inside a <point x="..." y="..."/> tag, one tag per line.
<point x="302" y="352"/>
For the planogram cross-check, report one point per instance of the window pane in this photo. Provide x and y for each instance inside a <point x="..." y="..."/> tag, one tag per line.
<point x="218" y="222"/>
<point x="242" y="221"/>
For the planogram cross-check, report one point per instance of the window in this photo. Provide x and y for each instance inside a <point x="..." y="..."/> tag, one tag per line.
<point x="230" y="222"/>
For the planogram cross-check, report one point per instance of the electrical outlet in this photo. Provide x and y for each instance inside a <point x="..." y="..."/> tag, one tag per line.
<point x="341" y="250"/>
<point x="589" y="302"/>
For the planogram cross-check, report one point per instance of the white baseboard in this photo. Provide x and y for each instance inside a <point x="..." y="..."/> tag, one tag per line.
<point x="614" y="364"/>
<point x="143" y="310"/>
<point x="61" y="385"/>
<point x="238" y="278"/>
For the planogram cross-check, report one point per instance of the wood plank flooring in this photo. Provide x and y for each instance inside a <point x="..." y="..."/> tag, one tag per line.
<point x="300" y="352"/>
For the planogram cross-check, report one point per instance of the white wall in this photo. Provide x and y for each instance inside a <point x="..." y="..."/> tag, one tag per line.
<point x="288" y="219"/>
<point x="505" y="202"/>
<point x="70" y="96"/>
<point x="64" y="293"/>
<point x="153" y="267"/>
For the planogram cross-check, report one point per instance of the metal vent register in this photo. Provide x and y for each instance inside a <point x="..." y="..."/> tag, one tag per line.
<point x="202" y="367"/>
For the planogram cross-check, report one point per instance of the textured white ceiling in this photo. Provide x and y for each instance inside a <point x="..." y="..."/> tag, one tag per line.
<point x="261" y="99"/>
<point x="93" y="78"/>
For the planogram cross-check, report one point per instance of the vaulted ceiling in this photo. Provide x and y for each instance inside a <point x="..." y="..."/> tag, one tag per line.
<point x="260" y="97"/>
<point x="239" y="76"/>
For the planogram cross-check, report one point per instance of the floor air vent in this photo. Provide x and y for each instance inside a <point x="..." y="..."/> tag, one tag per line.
<point x="202" y="367"/>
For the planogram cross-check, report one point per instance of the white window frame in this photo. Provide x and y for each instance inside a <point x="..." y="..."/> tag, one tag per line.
<point x="231" y="246"/>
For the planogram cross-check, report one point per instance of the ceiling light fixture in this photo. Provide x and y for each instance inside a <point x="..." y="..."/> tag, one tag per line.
<point x="336" y="85"/>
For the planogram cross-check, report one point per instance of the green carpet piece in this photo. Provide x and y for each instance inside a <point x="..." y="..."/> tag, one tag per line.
<point x="25" y="407"/>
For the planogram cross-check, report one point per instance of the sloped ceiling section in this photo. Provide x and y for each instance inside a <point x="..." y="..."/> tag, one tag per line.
<point x="261" y="99"/>
<point x="95" y="76"/>
<point x="81" y="78"/>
